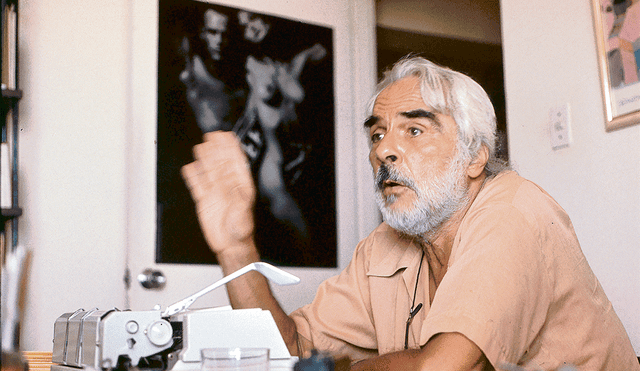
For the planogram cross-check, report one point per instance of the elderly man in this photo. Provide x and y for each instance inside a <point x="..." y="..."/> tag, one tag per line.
<point x="473" y="267"/>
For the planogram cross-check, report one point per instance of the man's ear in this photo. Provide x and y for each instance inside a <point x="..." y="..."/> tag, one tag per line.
<point x="476" y="166"/>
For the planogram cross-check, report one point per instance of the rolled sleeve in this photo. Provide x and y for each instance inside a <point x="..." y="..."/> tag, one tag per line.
<point x="339" y="320"/>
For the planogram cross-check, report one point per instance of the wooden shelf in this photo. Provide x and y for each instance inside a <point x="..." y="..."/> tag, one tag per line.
<point x="11" y="93"/>
<point x="13" y="212"/>
<point x="10" y="98"/>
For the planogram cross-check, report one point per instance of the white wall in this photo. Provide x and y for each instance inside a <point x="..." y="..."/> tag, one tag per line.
<point x="76" y="75"/>
<point x="72" y="158"/>
<point x="550" y="59"/>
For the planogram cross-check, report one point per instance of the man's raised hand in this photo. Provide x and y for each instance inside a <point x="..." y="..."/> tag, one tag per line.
<point x="222" y="187"/>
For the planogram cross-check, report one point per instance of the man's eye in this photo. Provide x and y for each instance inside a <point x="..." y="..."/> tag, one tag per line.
<point x="415" y="132"/>
<point x="376" y="137"/>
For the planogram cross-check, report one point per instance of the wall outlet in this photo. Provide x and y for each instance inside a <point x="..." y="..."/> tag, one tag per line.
<point x="560" y="126"/>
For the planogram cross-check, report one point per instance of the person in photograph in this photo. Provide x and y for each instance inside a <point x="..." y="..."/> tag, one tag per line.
<point x="272" y="92"/>
<point x="214" y="101"/>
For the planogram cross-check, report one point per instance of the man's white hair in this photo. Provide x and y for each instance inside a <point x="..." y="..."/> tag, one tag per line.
<point x="454" y="94"/>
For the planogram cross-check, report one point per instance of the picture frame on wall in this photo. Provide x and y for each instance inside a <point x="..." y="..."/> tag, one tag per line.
<point x="617" y="31"/>
<point x="268" y="79"/>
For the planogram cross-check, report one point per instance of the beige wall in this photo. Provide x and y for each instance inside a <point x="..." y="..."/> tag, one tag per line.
<point x="550" y="59"/>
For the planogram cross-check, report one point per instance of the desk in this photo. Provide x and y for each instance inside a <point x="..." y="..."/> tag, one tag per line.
<point x="41" y="361"/>
<point x="38" y="361"/>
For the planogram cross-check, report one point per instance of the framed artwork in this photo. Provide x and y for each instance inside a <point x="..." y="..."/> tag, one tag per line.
<point x="617" y="29"/>
<point x="270" y="80"/>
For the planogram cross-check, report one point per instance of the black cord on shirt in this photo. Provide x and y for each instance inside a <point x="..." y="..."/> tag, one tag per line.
<point x="414" y="309"/>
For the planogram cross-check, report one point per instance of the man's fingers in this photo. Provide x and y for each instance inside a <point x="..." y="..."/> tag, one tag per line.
<point x="222" y="158"/>
<point x="220" y="166"/>
<point x="195" y="180"/>
<point x="221" y="185"/>
<point x="224" y="144"/>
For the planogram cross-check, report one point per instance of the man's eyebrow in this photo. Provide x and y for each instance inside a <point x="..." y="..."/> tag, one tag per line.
<point x="417" y="113"/>
<point x="422" y="113"/>
<point x="369" y="122"/>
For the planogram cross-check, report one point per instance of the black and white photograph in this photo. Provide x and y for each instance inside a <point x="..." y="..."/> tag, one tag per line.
<point x="270" y="81"/>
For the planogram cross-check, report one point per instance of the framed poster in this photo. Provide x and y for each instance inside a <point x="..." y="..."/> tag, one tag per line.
<point x="270" y="80"/>
<point x="617" y="28"/>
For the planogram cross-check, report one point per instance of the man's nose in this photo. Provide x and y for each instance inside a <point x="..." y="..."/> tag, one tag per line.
<point x="388" y="149"/>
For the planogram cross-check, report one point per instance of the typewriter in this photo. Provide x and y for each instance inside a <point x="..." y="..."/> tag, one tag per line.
<point x="167" y="340"/>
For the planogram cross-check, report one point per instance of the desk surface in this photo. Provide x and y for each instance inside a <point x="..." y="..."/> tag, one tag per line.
<point x="41" y="361"/>
<point x="38" y="361"/>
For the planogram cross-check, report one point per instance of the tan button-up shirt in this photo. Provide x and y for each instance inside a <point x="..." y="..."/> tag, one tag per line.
<point x="517" y="285"/>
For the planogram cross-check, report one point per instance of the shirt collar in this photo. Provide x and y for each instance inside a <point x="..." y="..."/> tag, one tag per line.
<point x="394" y="252"/>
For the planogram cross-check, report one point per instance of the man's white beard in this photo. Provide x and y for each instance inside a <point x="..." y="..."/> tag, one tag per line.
<point x="437" y="199"/>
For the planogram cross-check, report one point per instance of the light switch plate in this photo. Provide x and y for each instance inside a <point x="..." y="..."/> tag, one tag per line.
<point x="560" y="126"/>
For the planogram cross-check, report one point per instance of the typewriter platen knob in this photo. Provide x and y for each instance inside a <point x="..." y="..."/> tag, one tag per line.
<point x="160" y="332"/>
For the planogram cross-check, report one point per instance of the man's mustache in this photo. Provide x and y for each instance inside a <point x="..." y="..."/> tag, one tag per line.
<point x="388" y="174"/>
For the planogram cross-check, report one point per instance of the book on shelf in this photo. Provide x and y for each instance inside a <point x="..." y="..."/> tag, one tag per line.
<point x="6" y="161"/>
<point x="9" y="43"/>
<point x="5" y="176"/>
